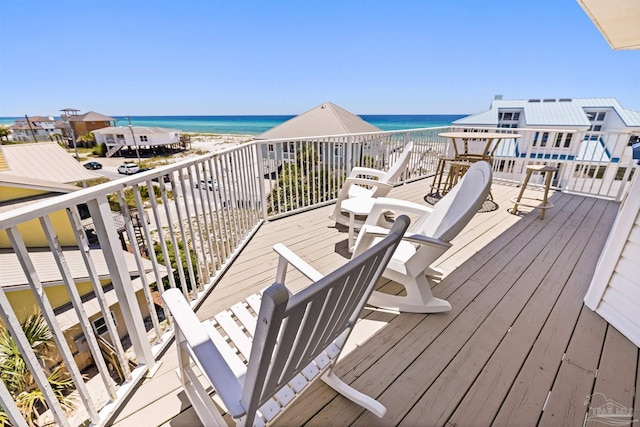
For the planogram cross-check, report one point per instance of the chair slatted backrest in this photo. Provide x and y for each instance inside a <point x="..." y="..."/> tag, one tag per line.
<point x="294" y="330"/>
<point x="400" y="165"/>
<point x="452" y="213"/>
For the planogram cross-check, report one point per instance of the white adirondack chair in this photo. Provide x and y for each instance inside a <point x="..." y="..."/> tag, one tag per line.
<point x="360" y="184"/>
<point x="261" y="353"/>
<point x="425" y="241"/>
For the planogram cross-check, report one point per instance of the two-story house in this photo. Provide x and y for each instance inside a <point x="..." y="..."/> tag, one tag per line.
<point x="37" y="128"/>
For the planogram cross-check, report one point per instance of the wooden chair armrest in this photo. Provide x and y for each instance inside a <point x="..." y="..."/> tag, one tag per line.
<point x="204" y="350"/>
<point x="359" y="170"/>
<point x="426" y="241"/>
<point x="288" y="257"/>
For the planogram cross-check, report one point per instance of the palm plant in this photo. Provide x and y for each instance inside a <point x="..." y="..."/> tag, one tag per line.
<point x="16" y="376"/>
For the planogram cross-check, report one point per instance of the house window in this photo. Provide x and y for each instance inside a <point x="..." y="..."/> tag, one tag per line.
<point x="143" y="138"/>
<point x="596" y="116"/>
<point x="595" y="128"/>
<point x="633" y="139"/>
<point x="119" y="136"/>
<point x="543" y="140"/>
<point x="590" y="171"/>
<point x="560" y="138"/>
<point x="100" y="325"/>
<point x="620" y="173"/>
<point x="270" y="147"/>
<point x="567" y="140"/>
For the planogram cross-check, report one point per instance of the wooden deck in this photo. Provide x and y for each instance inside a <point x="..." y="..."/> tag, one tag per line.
<point x="518" y="348"/>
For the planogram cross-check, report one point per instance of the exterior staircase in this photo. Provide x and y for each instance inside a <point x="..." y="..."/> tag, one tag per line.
<point x="113" y="150"/>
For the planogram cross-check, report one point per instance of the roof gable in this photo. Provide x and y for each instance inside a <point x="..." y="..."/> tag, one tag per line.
<point x="325" y="119"/>
<point x="91" y="116"/>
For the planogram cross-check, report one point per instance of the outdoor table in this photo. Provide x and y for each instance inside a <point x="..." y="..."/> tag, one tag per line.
<point x="485" y="150"/>
<point x="488" y="149"/>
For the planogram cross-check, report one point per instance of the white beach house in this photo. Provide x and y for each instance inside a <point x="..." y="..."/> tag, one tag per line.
<point x="135" y="137"/>
<point x="585" y="138"/>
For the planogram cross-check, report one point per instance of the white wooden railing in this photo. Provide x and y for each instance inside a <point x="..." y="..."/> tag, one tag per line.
<point x="206" y="211"/>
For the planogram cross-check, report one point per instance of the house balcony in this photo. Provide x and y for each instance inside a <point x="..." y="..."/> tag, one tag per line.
<point x="518" y="347"/>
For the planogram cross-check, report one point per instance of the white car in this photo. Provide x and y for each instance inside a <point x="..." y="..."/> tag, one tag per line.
<point x="128" y="168"/>
<point x="208" y="184"/>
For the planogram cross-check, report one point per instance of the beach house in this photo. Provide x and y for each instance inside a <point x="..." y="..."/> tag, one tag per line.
<point x="584" y="138"/>
<point x="321" y="121"/>
<point x="37" y="128"/>
<point x="82" y="124"/>
<point x="131" y="138"/>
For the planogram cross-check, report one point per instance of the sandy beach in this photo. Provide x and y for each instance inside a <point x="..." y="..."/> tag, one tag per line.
<point x="215" y="142"/>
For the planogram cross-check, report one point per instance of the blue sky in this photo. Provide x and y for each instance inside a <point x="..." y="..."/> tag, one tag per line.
<point x="212" y="57"/>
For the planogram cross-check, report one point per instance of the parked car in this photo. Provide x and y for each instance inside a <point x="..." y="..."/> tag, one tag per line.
<point x="165" y="178"/>
<point x="208" y="184"/>
<point x="128" y="168"/>
<point x="92" y="165"/>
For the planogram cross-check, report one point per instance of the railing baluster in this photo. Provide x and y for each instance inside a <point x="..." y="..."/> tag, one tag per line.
<point x="74" y="219"/>
<point x="30" y="358"/>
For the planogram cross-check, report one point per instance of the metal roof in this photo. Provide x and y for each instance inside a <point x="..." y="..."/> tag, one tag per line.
<point x="325" y="119"/>
<point x="45" y="264"/>
<point x="45" y="161"/>
<point x="552" y="112"/>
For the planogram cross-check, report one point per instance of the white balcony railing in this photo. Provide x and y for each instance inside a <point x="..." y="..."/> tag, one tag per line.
<point x="108" y="248"/>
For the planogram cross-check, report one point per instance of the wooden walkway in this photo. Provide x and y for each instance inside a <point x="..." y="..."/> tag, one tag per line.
<point x="518" y="348"/>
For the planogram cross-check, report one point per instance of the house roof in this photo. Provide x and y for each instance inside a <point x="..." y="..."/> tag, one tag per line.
<point x="13" y="276"/>
<point x="44" y="161"/>
<point x="91" y="116"/>
<point x="326" y="119"/>
<point x="22" y="124"/>
<point x="552" y="112"/>
<point x="137" y="130"/>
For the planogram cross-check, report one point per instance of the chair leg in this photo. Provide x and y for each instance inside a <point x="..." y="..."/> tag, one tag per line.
<point x="352" y="394"/>
<point x="419" y="298"/>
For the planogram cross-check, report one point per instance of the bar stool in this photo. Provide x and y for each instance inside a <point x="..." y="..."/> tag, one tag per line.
<point x="437" y="177"/>
<point x="548" y="175"/>
<point x="457" y="169"/>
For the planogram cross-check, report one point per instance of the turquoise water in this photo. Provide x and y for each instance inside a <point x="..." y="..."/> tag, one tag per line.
<point x="254" y="125"/>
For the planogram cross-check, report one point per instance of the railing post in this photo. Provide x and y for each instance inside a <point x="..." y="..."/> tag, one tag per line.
<point x="263" y="195"/>
<point x="105" y="229"/>
<point x="349" y="159"/>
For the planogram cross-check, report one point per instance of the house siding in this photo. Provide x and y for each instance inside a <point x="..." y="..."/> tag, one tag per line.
<point x="614" y="292"/>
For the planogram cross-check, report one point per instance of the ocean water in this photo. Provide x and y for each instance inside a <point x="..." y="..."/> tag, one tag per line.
<point x="255" y="125"/>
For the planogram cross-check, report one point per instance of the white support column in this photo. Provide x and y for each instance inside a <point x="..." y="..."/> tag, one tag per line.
<point x="105" y="229"/>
